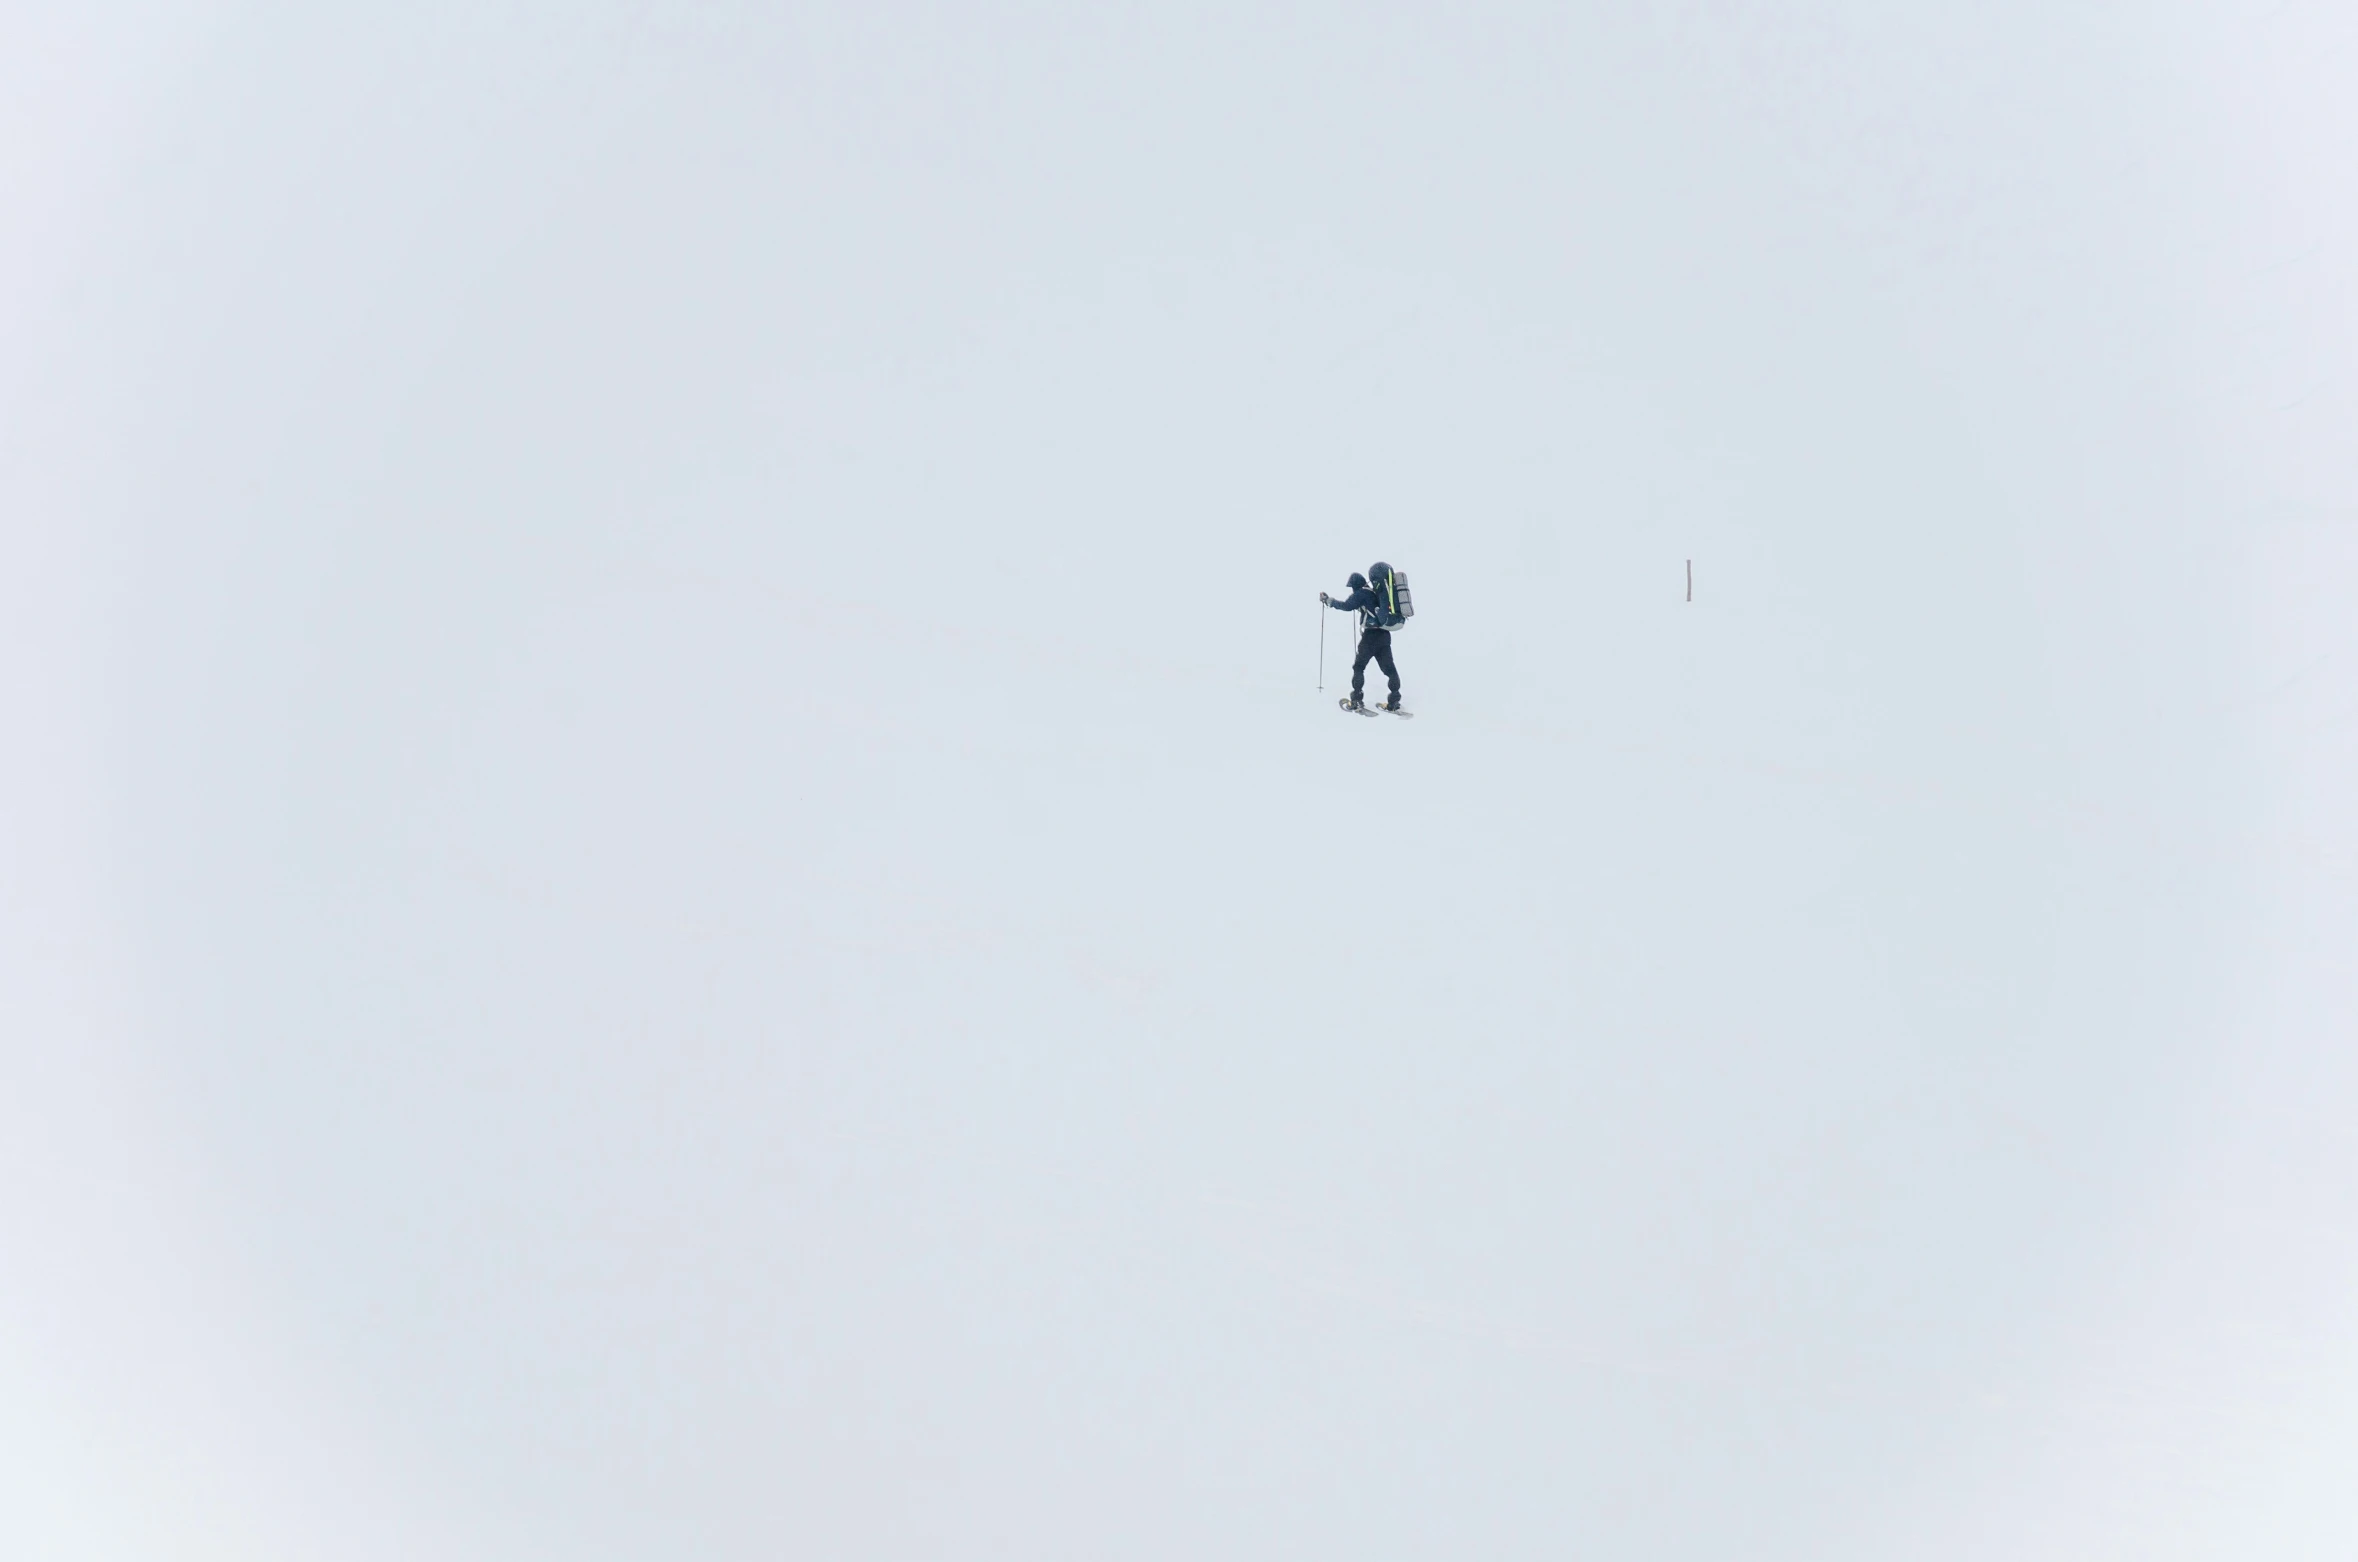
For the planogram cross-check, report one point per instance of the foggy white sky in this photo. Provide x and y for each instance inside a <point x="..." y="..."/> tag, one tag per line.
<point x="675" y="885"/>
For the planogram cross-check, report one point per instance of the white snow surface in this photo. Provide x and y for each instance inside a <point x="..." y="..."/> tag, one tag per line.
<point x="678" y="883"/>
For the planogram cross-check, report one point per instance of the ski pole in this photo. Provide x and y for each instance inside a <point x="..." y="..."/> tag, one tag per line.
<point x="1322" y="647"/>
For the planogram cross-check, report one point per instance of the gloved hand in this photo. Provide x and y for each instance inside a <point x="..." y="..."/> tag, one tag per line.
<point x="1323" y="597"/>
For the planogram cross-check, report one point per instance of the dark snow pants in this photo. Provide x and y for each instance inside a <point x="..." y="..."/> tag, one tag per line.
<point x="1375" y="643"/>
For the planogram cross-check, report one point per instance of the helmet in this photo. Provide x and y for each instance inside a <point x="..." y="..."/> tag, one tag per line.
<point x="1357" y="582"/>
<point x="1379" y="572"/>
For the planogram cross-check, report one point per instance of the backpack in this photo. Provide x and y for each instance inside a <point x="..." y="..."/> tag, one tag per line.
<point x="1393" y="608"/>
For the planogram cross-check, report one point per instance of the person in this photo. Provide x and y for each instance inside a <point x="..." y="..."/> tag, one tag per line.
<point x="1375" y="641"/>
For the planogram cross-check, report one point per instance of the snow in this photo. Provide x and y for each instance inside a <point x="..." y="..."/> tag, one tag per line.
<point x="684" y="886"/>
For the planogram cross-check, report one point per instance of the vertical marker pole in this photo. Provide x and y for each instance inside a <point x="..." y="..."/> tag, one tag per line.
<point x="1690" y="580"/>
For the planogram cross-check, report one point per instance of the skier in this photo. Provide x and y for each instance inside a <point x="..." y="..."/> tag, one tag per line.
<point x="1374" y="639"/>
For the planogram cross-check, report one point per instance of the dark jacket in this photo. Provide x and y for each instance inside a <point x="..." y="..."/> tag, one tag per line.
<point x="1364" y="602"/>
